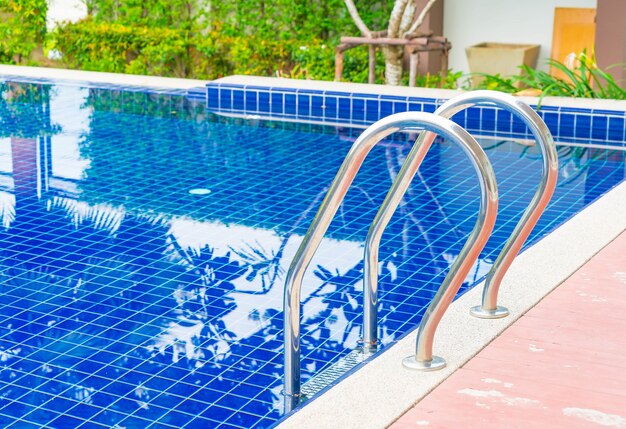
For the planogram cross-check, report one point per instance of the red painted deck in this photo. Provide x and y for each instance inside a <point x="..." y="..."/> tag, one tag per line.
<point x="562" y="365"/>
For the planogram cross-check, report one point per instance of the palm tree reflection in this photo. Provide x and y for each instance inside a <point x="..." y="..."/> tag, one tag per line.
<point x="106" y="291"/>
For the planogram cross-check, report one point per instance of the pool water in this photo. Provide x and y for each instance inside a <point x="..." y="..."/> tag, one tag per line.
<point x="144" y="245"/>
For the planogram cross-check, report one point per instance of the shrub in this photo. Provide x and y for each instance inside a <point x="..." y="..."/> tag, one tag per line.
<point x="583" y="79"/>
<point x="101" y="46"/>
<point x="22" y="29"/>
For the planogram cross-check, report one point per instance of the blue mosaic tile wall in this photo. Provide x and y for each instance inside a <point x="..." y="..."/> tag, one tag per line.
<point x="568" y="125"/>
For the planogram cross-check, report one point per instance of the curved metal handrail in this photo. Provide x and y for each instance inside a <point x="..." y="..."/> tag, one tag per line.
<point x="489" y="308"/>
<point x="348" y="170"/>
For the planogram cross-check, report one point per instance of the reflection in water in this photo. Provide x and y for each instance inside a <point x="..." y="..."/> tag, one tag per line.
<point x="128" y="300"/>
<point x="601" y="164"/>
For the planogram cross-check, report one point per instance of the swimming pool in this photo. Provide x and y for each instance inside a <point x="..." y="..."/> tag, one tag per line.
<point x="145" y="242"/>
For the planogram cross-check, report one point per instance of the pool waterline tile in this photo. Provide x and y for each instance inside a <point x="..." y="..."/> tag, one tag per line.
<point x="372" y="107"/>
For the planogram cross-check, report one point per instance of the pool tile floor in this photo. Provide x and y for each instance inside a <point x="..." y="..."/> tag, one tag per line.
<point x="561" y="365"/>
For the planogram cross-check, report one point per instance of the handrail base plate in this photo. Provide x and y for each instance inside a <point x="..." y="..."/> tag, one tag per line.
<point x="436" y="363"/>
<point x="497" y="313"/>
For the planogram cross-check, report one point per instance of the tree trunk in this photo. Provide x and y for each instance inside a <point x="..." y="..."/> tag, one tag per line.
<point x="400" y="25"/>
<point x="395" y="19"/>
<point x="393" y="64"/>
<point x="399" y="22"/>
<point x="354" y="14"/>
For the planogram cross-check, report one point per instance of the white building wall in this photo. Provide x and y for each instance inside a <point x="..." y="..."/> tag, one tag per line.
<point x="468" y="22"/>
<point x="64" y="10"/>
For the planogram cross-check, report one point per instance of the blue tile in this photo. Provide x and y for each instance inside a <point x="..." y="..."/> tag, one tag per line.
<point x="552" y="121"/>
<point x="345" y="109"/>
<point x="599" y="125"/>
<point x="290" y="107"/>
<point x="400" y="106"/>
<point x="393" y="98"/>
<point x="504" y="120"/>
<point x="310" y="92"/>
<point x="386" y="108"/>
<point x="264" y="101"/>
<point x="583" y="126"/>
<point x="430" y="107"/>
<point x="277" y="102"/>
<point x="488" y="119"/>
<point x="317" y="109"/>
<point x="573" y="110"/>
<point x="616" y="129"/>
<point x="256" y="88"/>
<point x="337" y="94"/>
<point x="283" y="90"/>
<point x="358" y="109"/>
<point x="229" y="86"/>
<point x="566" y="125"/>
<point x="460" y="117"/>
<point x="304" y="105"/>
<point x="518" y="126"/>
<point x="331" y="107"/>
<point x="226" y="99"/>
<point x="472" y="121"/>
<point x="251" y="101"/>
<point x="416" y="107"/>
<point x="362" y="95"/>
<point x="422" y="100"/>
<point x="617" y="113"/>
<point x="238" y="99"/>
<point x="213" y="98"/>
<point x="372" y="112"/>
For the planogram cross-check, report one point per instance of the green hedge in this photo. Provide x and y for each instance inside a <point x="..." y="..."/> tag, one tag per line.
<point x="88" y="45"/>
<point x="205" y="39"/>
<point x="111" y="47"/>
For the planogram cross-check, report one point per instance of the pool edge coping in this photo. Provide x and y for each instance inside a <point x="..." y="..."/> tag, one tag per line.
<point x="359" y="401"/>
<point x="373" y="89"/>
<point x="93" y="77"/>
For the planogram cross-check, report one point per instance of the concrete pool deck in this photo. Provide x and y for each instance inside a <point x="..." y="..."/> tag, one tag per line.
<point x="561" y="365"/>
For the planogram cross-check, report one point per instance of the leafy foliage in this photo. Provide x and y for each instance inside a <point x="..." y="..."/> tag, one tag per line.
<point x="437" y="80"/>
<point x="91" y="45"/>
<point x="111" y="47"/>
<point x="172" y="14"/>
<point x="208" y="40"/>
<point x="22" y="29"/>
<point x="288" y="19"/>
<point x="584" y="79"/>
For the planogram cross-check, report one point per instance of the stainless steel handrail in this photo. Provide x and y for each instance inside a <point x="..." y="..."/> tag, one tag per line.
<point x="348" y="170"/>
<point x="489" y="307"/>
<point x="423" y="358"/>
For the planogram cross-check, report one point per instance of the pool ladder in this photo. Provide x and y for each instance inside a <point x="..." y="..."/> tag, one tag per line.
<point x="437" y="123"/>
